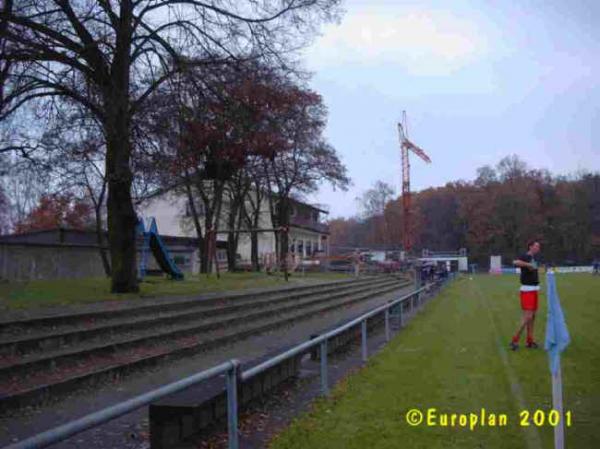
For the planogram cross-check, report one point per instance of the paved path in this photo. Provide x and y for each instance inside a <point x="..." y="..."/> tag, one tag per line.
<point x="261" y="422"/>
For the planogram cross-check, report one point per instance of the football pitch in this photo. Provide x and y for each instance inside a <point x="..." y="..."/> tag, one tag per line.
<point x="454" y="358"/>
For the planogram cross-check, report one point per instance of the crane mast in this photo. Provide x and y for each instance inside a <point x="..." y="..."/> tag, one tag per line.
<point x="406" y="146"/>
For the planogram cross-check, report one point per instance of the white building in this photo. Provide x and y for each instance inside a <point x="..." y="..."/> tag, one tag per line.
<point x="458" y="257"/>
<point x="307" y="234"/>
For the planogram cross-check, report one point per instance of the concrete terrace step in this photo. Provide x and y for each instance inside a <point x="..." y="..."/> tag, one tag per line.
<point x="66" y="335"/>
<point x="30" y="382"/>
<point x="22" y="322"/>
<point x="110" y="340"/>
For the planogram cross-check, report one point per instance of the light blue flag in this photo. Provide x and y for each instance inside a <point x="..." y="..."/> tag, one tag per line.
<point x="557" y="334"/>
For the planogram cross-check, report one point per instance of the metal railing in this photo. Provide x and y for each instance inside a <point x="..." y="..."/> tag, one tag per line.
<point x="233" y="377"/>
<point x="61" y="433"/>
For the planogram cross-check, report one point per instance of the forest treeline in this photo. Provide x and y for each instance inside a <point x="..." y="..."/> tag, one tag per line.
<point x="497" y="213"/>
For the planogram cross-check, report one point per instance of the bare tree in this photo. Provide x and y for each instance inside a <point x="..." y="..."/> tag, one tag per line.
<point x="511" y="168"/>
<point x="110" y="57"/>
<point x="253" y="207"/>
<point x="23" y="182"/>
<point x="237" y="191"/>
<point x="373" y="207"/>
<point x="373" y="201"/>
<point x="308" y="161"/>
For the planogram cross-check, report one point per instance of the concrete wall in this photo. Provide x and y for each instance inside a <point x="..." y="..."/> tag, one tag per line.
<point x="31" y="261"/>
<point x="21" y="261"/>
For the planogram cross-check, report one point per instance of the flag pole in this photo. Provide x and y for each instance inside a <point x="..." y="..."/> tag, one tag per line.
<point x="557" y="404"/>
<point x="557" y="339"/>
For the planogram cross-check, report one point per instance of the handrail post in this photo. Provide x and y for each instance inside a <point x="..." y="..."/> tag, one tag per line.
<point x="401" y="314"/>
<point x="363" y="326"/>
<point x="324" y="383"/>
<point x="387" y="324"/>
<point x="232" y="405"/>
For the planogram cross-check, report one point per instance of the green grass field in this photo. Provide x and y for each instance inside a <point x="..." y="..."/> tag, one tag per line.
<point x="454" y="357"/>
<point x="16" y="295"/>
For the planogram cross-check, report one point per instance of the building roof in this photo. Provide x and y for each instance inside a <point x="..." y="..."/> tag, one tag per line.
<point x="69" y="236"/>
<point x="163" y="190"/>
<point x="317" y="207"/>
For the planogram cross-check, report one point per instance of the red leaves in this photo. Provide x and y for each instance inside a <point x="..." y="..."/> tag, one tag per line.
<point x="254" y="115"/>
<point x="55" y="211"/>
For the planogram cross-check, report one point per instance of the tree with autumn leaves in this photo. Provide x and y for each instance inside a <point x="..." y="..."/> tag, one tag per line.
<point x="241" y="135"/>
<point x="111" y="58"/>
<point x="303" y="164"/>
<point x="496" y="213"/>
<point x="58" y="211"/>
<point x="213" y="124"/>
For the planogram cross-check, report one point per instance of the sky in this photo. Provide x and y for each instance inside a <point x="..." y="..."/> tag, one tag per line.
<point x="479" y="80"/>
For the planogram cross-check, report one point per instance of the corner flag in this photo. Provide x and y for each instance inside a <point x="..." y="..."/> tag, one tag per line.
<point x="557" y="334"/>
<point x="557" y="339"/>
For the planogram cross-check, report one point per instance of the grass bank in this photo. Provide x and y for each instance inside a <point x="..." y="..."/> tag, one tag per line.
<point x="453" y="357"/>
<point x="17" y="295"/>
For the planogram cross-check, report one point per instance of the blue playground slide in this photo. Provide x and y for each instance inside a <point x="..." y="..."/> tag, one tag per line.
<point x="153" y="242"/>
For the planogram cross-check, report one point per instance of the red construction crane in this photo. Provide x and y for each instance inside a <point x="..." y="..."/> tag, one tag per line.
<point x="405" y="146"/>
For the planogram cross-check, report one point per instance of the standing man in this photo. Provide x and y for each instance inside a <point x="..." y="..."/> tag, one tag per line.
<point x="530" y="287"/>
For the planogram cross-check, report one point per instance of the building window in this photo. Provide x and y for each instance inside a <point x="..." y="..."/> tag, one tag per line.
<point x="181" y="260"/>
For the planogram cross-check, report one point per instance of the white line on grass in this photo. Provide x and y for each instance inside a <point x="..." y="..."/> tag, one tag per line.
<point x="532" y="435"/>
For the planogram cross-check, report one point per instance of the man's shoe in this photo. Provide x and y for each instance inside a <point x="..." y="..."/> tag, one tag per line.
<point x="514" y="346"/>
<point x="532" y="345"/>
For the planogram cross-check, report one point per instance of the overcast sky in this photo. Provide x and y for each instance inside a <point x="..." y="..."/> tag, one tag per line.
<point x="479" y="80"/>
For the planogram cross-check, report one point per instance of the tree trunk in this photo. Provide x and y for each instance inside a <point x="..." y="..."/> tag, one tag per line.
<point x="254" y="251"/>
<point x="212" y="206"/>
<point x="284" y="245"/>
<point x="101" y="244"/>
<point x="196" y="220"/>
<point x="99" y="229"/>
<point x="204" y="254"/>
<point x="231" y="235"/>
<point x="254" y="223"/>
<point x="122" y="221"/>
<point x="217" y="217"/>
<point x="122" y="218"/>
<point x="231" y="251"/>
<point x="283" y="223"/>
<point x="254" y="242"/>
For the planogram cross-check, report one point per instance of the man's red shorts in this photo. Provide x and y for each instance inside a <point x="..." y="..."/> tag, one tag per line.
<point x="529" y="300"/>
